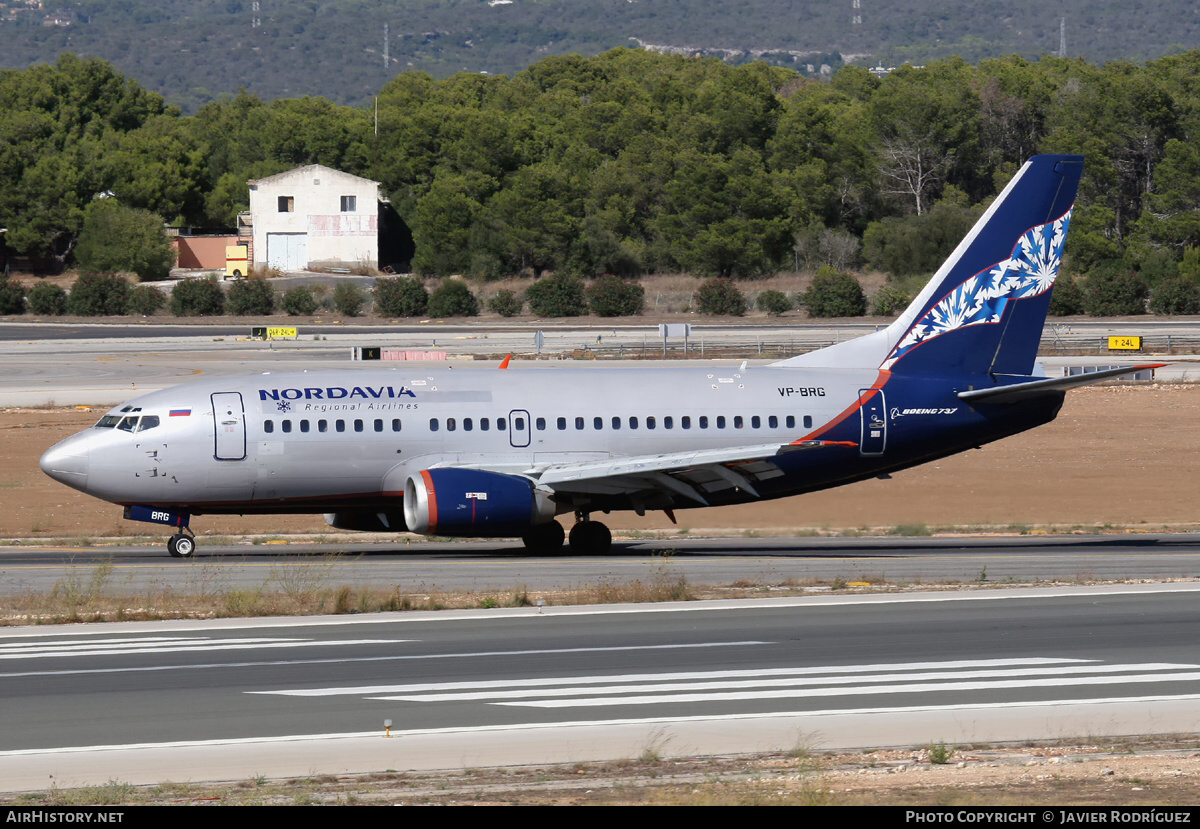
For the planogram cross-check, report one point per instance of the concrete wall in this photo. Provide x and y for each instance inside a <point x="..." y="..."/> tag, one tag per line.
<point x="202" y="251"/>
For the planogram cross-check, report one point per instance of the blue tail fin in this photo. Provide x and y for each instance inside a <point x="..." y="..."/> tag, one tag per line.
<point x="984" y="310"/>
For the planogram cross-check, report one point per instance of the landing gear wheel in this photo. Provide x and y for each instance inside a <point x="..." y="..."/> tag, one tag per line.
<point x="590" y="538"/>
<point x="181" y="546"/>
<point x="544" y="539"/>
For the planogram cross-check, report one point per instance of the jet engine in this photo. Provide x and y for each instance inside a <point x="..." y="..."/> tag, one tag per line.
<point x="472" y="502"/>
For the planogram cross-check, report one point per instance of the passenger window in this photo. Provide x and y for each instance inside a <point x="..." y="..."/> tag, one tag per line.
<point x="737" y="421"/>
<point x="790" y="422"/>
<point x="484" y="424"/>
<point x="703" y="421"/>
<point x="808" y="421"/>
<point x="633" y="423"/>
<point x="649" y="423"/>
<point x="561" y="423"/>
<point x="358" y="425"/>
<point x="541" y="424"/>
<point x="339" y="425"/>
<point x="773" y="422"/>
<point x="720" y="421"/>
<point x="378" y="425"/>
<point x="616" y="423"/>
<point x="322" y="425"/>
<point x="287" y="425"/>
<point x="686" y="421"/>
<point x="597" y="423"/>
<point x="303" y="425"/>
<point x="268" y="426"/>
<point x="468" y="425"/>
<point x="433" y="424"/>
<point x="668" y="422"/>
<point x="519" y="423"/>
<point x="148" y="422"/>
<point x="500" y="424"/>
<point x="579" y="423"/>
<point x="451" y="424"/>
<point x="756" y="421"/>
<point x="396" y="424"/>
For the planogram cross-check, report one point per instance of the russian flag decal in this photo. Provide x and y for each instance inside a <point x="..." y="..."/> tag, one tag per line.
<point x="180" y="412"/>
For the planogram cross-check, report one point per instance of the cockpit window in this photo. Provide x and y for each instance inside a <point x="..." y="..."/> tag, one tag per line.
<point x="148" y="422"/>
<point x="128" y="424"/>
<point x="107" y="422"/>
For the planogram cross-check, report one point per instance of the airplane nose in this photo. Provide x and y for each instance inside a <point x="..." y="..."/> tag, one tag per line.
<point x="67" y="463"/>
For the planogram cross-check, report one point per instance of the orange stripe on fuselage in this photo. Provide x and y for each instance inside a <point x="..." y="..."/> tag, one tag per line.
<point x="431" y="497"/>
<point x="879" y="383"/>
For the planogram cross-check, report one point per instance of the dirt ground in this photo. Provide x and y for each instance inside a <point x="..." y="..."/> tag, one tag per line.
<point x="1117" y="456"/>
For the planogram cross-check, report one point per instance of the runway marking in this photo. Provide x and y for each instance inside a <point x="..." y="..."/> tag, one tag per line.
<point x="163" y="644"/>
<point x="591" y="691"/>
<point x="390" y="658"/>
<point x="542" y="682"/>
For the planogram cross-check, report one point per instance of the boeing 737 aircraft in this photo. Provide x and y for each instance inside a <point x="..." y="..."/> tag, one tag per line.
<point x="500" y="453"/>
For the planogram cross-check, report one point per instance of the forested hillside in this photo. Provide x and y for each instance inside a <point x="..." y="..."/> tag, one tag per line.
<point x="193" y="51"/>
<point x="632" y="162"/>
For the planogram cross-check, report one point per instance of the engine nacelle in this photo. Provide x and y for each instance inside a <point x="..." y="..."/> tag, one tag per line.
<point x="471" y="502"/>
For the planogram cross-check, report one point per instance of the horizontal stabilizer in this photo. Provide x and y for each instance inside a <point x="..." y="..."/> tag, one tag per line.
<point x="1017" y="391"/>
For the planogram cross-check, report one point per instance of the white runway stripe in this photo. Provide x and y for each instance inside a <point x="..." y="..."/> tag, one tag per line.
<point x="543" y="683"/>
<point x="172" y="645"/>
<point x="861" y="683"/>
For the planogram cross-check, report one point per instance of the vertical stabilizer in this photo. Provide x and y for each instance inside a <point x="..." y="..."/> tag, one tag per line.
<point x="984" y="310"/>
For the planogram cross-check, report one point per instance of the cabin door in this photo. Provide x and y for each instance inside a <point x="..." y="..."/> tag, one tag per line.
<point x="229" y="422"/>
<point x="873" y="411"/>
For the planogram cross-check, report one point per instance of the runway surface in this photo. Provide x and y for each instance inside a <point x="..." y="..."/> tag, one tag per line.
<point x="235" y="699"/>
<point x="504" y="565"/>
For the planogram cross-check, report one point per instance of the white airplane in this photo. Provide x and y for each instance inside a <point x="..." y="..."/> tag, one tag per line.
<point x="488" y="453"/>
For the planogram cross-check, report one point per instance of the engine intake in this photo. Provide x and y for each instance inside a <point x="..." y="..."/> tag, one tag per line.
<point x="469" y="502"/>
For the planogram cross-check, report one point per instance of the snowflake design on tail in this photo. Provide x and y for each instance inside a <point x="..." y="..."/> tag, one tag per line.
<point x="1029" y="271"/>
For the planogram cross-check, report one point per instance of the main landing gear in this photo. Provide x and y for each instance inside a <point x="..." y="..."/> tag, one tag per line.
<point x="587" y="538"/>
<point x="182" y="544"/>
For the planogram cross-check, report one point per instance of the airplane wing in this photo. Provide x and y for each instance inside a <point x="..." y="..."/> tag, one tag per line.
<point x="689" y="474"/>
<point x="1016" y="391"/>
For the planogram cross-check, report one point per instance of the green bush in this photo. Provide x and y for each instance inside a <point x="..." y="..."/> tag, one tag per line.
<point x="1171" y="296"/>
<point x="98" y="295"/>
<point x="611" y="296"/>
<point x="834" y="294"/>
<point x="349" y="299"/>
<point x="12" y="296"/>
<point x="251" y="297"/>
<point x="145" y="300"/>
<point x="773" y="302"/>
<point x="720" y="296"/>
<point x="119" y="238"/>
<point x="400" y="296"/>
<point x="889" y="301"/>
<point x="1066" y="300"/>
<point x="453" y="299"/>
<point x="1113" y="290"/>
<point x="506" y="303"/>
<point x="558" y="295"/>
<point x="47" y="300"/>
<point x="299" y="302"/>
<point x="197" y="298"/>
